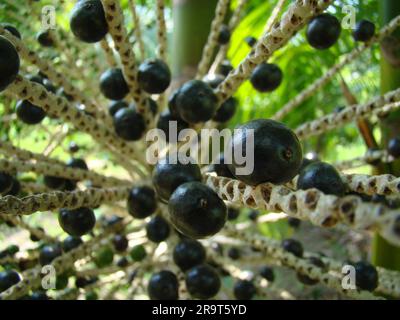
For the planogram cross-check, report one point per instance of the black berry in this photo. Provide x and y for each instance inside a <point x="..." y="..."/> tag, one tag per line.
<point x="267" y="273"/>
<point x="77" y="163"/>
<point x="196" y="102"/>
<point x="244" y="290"/>
<point x="225" y="68"/>
<point x="224" y="35"/>
<point x="48" y="253"/>
<point x="120" y="243"/>
<point x="54" y="182"/>
<point x="202" y="282"/>
<point x="366" y="276"/>
<point x="166" y="121"/>
<point x="294" y="222"/>
<point x="33" y="237"/>
<point x="234" y="253"/>
<point x="45" y="38"/>
<point x="129" y="124"/>
<point x="141" y="202"/>
<point x="113" y="84"/>
<point x="293" y="246"/>
<point x="220" y="167"/>
<point x="322" y="176"/>
<point x="77" y="222"/>
<point x="8" y="278"/>
<point x="364" y="31"/>
<point x="196" y="210"/>
<point x="6" y="182"/>
<point x="71" y="243"/>
<point x="394" y="147"/>
<point x="233" y="213"/>
<point x="323" y="31"/>
<point x="189" y="253"/>
<point x="29" y="113"/>
<point x="277" y="152"/>
<point x="169" y="174"/>
<point x="266" y="77"/>
<point x="12" y="29"/>
<point x="157" y="229"/>
<point x="88" y="22"/>
<point x="226" y="111"/>
<point x="251" y="41"/>
<point x="154" y="76"/>
<point x="163" y="285"/>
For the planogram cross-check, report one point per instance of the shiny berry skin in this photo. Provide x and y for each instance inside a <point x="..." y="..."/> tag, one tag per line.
<point x="77" y="222"/>
<point x="12" y="29"/>
<point x="45" y="38"/>
<point x="73" y="147"/>
<point x="267" y="273"/>
<point x="323" y="31"/>
<point x="169" y="174"/>
<point x="115" y="106"/>
<point x="224" y="35"/>
<point x="154" y="76"/>
<point x="8" y="278"/>
<point x="364" y="31"/>
<point x="293" y="246"/>
<point x="244" y="290"/>
<point x="253" y="215"/>
<point x="196" y="210"/>
<point x="307" y="280"/>
<point x="163" y="285"/>
<point x="120" y="243"/>
<point x="29" y="113"/>
<point x="189" y="253"/>
<point x="138" y="253"/>
<point x="266" y="77"/>
<point x="157" y="229"/>
<point x="129" y="124"/>
<point x="141" y="202"/>
<point x="167" y="121"/>
<point x="77" y="163"/>
<point x="251" y="41"/>
<point x="113" y="85"/>
<point x="6" y="182"/>
<point x="213" y="80"/>
<point x="88" y="22"/>
<point x="196" y="102"/>
<point x="71" y="243"/>
<point x="226" y="111"/>
<point x="366" y="276"/>
<point x="277" y="152"/>
<point x="322" y="176"/>
<point x="48" y="253"/>
<point x="172" y="103"/>
<point x="394" y="147"/>
<point x="234" y="253"/>
<point x="122" y="262"/>
<point x="233" y="213"/>
<point x="82" y="282"/>
<point x="54" y="182"/>
<point x="202" y="282"/>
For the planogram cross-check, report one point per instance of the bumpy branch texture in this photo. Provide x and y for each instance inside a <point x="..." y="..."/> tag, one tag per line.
<point x="115" y="20"/>
<point x="319" y="83"/>
<point x="375" y="155"/>
<point x="380" y="106"/>
<point x="298" y="14"/>
<point x="58" y="170"/>
<point x="59" y="106"/>
<point x="208" y="50"/>
<point x="322" y="210"/>
<point x="108" y="53"/>
<point x="55" y="77"/>
<point x="385" y="184"/>
<point x="91" y="197"/>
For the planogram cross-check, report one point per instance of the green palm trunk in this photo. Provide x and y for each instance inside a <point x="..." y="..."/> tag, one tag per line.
<point x="384" y="254"/>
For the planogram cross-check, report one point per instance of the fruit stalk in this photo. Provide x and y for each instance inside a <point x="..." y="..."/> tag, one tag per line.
<point x="108" y="52"/>
<point x="208" y="50"/>
<point x="379" y="106"/>
<point x="313" y="205"/>
<point x="321" y="82"/>
<point x="295" y="18"/>
<point x="136" y="28"/>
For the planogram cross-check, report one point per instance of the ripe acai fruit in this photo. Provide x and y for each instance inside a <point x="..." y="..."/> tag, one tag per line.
<point x="88" y="22"/>
<point x="77" y="222"/>
<point x="163" y="285"/>
<point x="113" y="85"/>
<point x="141" y="202"/>
<point x="323" y="31"/>
<point x="364" y="30"/>
<point x="154" y="76"/>
<point x="202" y="282"/>
<point x="196" y="210"/>
<point x="9" y="63"/>
<point x="29" y="113"/>
<point x="129" y="124"/>
<point x="277" y="153"/>
<point x="189" y="253"/>
<point x="266" y="77"/>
